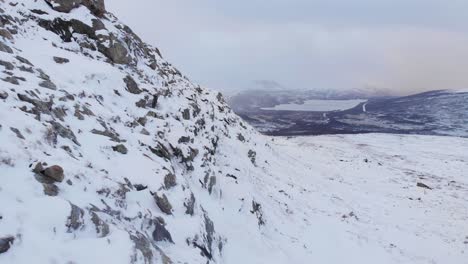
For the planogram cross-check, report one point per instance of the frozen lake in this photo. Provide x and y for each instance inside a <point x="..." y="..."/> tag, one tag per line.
<point x="318" y="105"/>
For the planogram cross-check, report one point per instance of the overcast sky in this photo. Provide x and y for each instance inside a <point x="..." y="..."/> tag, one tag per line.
<point x="403" y="45"/>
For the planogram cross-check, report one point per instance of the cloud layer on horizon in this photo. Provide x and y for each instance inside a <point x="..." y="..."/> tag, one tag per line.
<point x="403" y="45"/>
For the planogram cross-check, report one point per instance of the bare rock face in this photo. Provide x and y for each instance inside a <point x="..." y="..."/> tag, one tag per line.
<point x="64" y="6"/>
<point x="55" y="172"/>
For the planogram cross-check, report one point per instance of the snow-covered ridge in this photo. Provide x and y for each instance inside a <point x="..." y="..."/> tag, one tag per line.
<point x="110" y="155"/>
<point x="137" y="141"/>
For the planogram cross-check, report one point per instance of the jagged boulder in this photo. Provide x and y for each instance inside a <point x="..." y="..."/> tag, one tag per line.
<point x="64" y="6"/>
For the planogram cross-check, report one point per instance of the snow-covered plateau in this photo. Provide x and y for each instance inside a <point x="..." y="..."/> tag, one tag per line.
<point x="109" y="154"/>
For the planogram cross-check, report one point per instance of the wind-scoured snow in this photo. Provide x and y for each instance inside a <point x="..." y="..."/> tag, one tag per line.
<point x="182" y="179"/>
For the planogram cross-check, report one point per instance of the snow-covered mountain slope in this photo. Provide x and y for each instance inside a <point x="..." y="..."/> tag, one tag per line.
<point x="151" y="168"/>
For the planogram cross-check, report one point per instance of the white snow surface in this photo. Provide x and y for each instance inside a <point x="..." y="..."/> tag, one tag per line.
<point x="318" y="105"/>
<point x="327" y="199"/>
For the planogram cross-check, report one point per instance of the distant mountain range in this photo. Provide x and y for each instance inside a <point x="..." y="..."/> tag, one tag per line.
<point x="254" y="99"/>
<point x="441" y="112"/>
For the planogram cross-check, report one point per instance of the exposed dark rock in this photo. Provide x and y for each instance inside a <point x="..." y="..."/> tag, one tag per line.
<point x="48" y="84"/>
<point x="26" y="69"/>
<point x="102" y="228"/>
<point x="211" y="183"/>
<point x="163" y="203"/>
<point x="160" y="232"/>
<point x="8" y="65"/>
<point x="145" y="132"/>
<point x="5" y="33"/>
<point x="161" y="151"/>
<point x="64" y="132"/>
<point x="253" y="156"/>
<point x="97" y="7"/>
<point x="64" y="6"/>
<point x="40" y="107"/>
<point x="3" y="95"/>
<point x="39" y="168"/>
<point x="241" y="137"/>
<point x="75" y="220"/>
<point x="17" y="132"/>
<point x="5" y="48"/>
<point x="61" y="60"/>
<point x="120" y="148"/>
<point x="257" y="210"/>
<point x="108" y="132"/>
<point x="184" y="139"/>
<point x="209" y="231"/>
<point x="39" y="12"/>
<point x="170" y="180"/>
<point x="141" y="103"/>
<point x="13" y="79"/>
<point x="65" y="29"/>
<point x="132" y="86"/>
<point x="186" y="114"/>
<point x="115" y="51"/>
<point x="142" y="121"/>
<point x="155" y="101"/>
<point x="59" y="112"/>
<point x="231" y="176"/>
<point x="140" y="187"/>
<point x="5" y="243"/>
<point x="50" y="189"/>
<point x="23" y="60"/>
<point x="190" y="204"/>
<point x="144" y="245"/>
<point x="55" y="172"/>
<point x="422" y="185"/>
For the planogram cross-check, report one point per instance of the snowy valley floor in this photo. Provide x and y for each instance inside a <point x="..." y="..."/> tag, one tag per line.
<point x="360" y="203"/>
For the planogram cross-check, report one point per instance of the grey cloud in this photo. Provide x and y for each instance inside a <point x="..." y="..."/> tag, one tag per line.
<point x="404" y="45"/>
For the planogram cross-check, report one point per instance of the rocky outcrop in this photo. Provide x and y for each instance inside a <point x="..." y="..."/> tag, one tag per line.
<point x="5" y="243"/>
